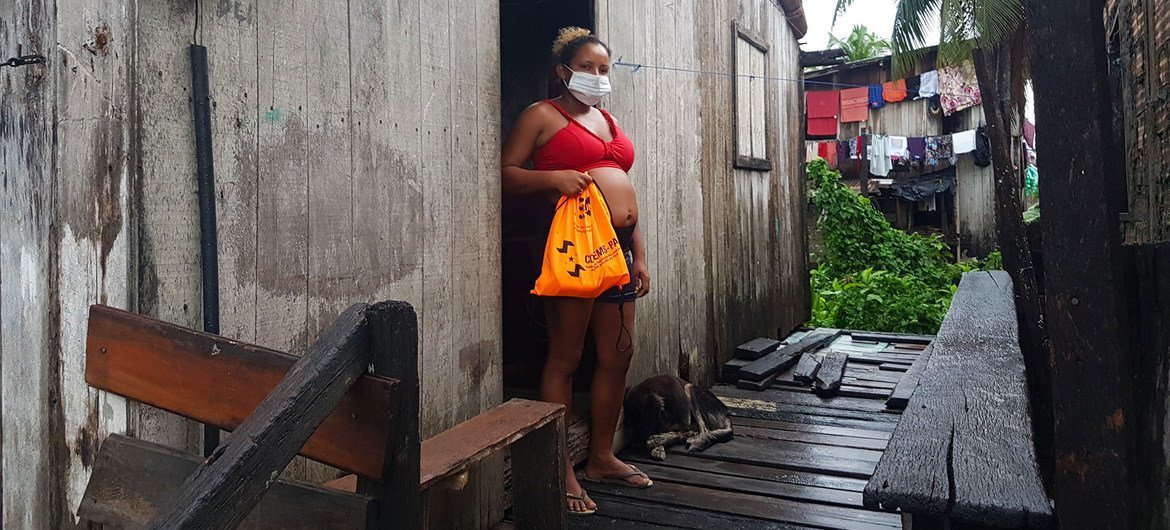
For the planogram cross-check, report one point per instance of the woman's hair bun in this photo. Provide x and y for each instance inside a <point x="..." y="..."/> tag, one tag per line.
<point x="567" y="36"/>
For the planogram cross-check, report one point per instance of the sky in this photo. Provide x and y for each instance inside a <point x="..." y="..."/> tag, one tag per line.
<point x="877" y="15"/>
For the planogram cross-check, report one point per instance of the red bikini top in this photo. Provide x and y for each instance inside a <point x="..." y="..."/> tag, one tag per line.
<point x="578" y="148"/>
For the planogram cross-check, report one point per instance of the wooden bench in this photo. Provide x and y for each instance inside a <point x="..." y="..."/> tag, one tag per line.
<point x="962" y="454"/>
<point x="324" y="406"/>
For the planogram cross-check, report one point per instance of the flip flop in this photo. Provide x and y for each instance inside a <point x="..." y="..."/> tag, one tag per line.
<point x="623" y="480"/>
<point x="581" y="498"/>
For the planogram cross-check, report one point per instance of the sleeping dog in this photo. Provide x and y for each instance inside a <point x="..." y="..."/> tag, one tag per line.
<point x="665" y="410"/>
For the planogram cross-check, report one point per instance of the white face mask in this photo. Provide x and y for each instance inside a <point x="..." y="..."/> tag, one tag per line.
<point x="588" y="88"/>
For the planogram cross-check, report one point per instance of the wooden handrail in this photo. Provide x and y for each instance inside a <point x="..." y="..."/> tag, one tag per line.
<point x="222" y="491"/>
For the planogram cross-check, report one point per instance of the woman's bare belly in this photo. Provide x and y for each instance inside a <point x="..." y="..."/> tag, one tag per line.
<point x="619" y="194"/>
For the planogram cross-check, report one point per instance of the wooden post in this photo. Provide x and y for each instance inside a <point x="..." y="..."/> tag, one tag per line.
<point x="1084" y="281"/>
<point x="534" y="473"/>
<point x="222" y="491"/>
<point x="393" y="330"/>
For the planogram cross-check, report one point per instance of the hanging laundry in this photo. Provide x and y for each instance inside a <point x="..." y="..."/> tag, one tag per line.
<point x="939" y="149"/>
<point x="828" y="151"/>
<point x="912" y="86"/>
<point x="843" y="151"/>
<point x="927" y="85"/>
<point x="934" y="106"/>
<point x="875" y="97"/>
<point x="879" y="155"/>
<point x="894" y="91"/>
<point x="964" y="142"/>
<point x="899" y="150"/>
<point x="855" y="148"/>
<point x="916" y="147"/>
<point x="982" y="148"/>
<point x="854" y="105"/>
<point x="810" y="151"/>
<point x="823" y="108"/>
<point x="958" y="88"/>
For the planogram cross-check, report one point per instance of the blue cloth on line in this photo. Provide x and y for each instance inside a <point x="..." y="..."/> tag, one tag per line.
<point x="876" y="101"/>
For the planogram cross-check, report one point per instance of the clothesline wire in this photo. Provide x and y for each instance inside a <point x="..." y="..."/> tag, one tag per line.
<point x="634" y="67"/>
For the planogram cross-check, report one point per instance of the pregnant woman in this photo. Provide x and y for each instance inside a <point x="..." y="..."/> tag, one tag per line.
<point x="570" y="144"/>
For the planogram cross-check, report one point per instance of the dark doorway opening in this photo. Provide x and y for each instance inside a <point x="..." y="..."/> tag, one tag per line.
<point x="527" y="30"/>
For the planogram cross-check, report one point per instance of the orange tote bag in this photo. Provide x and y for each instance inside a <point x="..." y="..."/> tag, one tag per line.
<point x="582" y="257"/>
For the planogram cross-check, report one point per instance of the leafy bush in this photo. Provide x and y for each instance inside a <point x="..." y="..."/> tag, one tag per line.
<point x="872" y="276"/>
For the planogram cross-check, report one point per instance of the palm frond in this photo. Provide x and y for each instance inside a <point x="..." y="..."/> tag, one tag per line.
<point x="842" y="5"/>
<point x="909" y="34"/>
<point x="994" y="20"/>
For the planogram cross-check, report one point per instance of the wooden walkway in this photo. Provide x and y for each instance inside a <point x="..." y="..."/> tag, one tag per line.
<point x="797" y="460"/>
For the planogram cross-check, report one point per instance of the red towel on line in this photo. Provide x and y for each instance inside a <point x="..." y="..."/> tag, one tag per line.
<point x="823" y="108"/>
<point x="855" y="105"/>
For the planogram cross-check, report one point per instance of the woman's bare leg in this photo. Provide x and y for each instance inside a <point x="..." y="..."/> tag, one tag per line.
<point x="567" y="320"/>
<point x="615" y="349"/>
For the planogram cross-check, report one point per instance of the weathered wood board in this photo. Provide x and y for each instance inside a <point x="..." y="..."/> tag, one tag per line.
<point x="963" y="449"/>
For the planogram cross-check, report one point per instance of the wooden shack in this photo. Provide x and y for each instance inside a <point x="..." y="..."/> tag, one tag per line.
<point x="965" y="216"/>
<point x="356" y="158"/>
<point x="1139" y="53"/>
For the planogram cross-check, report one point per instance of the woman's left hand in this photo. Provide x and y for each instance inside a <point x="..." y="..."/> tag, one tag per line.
<point x="641" y="278"/>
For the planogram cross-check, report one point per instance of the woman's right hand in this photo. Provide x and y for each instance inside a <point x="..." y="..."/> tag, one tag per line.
<point x="570" y="182"/>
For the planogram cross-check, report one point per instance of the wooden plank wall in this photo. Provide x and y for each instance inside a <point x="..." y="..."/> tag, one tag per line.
<point x="356" y="159"/>
<point x="726" y="247"/>
<point x="64" y="148"/>
<point x="1144" y="29"/>
<point x="975" y="197"/>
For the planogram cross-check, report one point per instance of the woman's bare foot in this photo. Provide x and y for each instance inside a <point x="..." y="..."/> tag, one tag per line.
<point x="607" y="468"/>
<point x="578" y="501"/>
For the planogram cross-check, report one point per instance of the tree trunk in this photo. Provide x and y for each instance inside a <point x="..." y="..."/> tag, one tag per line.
<point x="996" y="68"/>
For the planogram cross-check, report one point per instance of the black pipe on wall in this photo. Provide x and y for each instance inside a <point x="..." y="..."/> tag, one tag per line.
<point x="208" y="238"/>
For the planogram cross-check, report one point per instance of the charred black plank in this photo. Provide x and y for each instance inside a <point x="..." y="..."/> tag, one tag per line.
<point x="742" y="504"/>
<point x="783" y="358"/>
<point x="963" y="450"/>
<point x="1088" y="291"/>
<point x="806" y="368"/>
<point x="747" y="384"/>
<point x="221" y="492"/>
<point x="132" y="479"/>
<point x="908" y="338"/>
<point x="828" y="378"/>
<point x="756" y="348"/>
<point x="909" y="382"/>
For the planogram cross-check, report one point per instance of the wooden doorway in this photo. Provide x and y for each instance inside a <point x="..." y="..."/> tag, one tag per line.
<point x="527" y="30"/>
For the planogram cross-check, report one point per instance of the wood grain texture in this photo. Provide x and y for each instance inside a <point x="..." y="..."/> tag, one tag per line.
<point x="166" y="207"/>
<point x="686" y="169"/>
<point x="224" y="489"/>
<point x="909" y="381"/>
<point x="806" y="368"/>
<point x="31" y="427"/>
<point x="450" y="451"/>
<point x="963" y="449"/>
<point x="831" y="373"/>
<point x="772" y="510"/>
<point x="393" y="330"/>
<point x="134" y="479"/>
<point x="786" y="356"/>
<point x="539" y="485"/>
<point x="67" y="161"/>
<point x="219" y="381"/>
<point x="756" y="348"/>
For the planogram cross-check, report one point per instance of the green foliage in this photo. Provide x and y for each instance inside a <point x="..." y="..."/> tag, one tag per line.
<point x="1032" y="214"/>
<point x="963" y="26"/>
<point x="872" y="276"/>
<point x="861" y="44"/>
